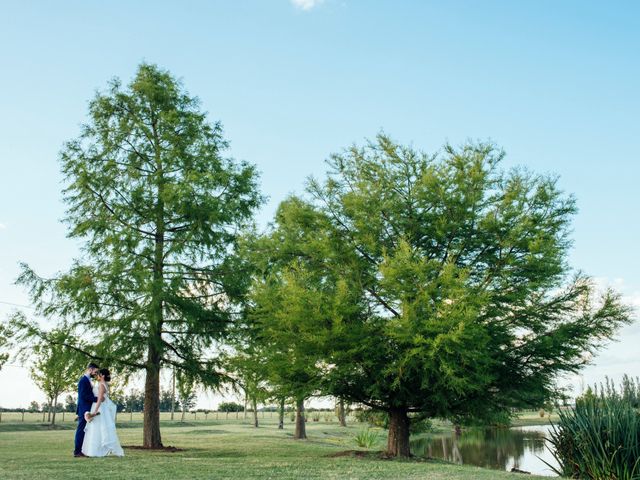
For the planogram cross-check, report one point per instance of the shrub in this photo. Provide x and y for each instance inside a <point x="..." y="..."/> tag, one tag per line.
<point x="420" y="425"/>
<point x="599" y="438"/>
<point x="372" y="417"/>
<point x="230" y="407"/>
<point x="366" y="438"/>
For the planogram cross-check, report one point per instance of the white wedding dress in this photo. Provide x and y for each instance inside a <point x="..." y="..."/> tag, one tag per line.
<point x="100" y="437"/>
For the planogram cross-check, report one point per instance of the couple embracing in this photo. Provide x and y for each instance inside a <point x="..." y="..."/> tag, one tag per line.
<point x="96" y="433"/>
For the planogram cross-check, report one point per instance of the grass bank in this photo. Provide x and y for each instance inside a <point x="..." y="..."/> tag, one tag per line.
<point x="218" y="449"/>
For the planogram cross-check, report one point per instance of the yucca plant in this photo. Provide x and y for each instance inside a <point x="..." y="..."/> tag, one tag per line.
<point x="366" y="438"/>
<point x="599" y="438"/>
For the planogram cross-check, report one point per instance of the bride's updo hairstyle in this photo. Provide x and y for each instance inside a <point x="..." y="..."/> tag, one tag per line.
<point x="105" y="373"/>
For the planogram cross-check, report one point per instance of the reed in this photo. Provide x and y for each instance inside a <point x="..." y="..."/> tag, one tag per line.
<point x="599" y="438"/>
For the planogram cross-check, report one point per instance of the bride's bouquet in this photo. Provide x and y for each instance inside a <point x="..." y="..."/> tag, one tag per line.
<point x="88" y="416"/>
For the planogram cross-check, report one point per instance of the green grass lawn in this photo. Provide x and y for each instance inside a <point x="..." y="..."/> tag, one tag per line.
<point x="215" y="449"/>
<point x="534" y="418"/>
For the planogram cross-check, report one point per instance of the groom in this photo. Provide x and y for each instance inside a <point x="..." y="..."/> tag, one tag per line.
<point x="85" y="399"/>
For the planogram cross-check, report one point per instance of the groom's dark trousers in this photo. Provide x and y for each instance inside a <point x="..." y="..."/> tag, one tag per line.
<point x="85" y="399"/>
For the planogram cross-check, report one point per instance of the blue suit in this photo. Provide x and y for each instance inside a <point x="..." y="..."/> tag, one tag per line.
<point x="85" y="399"/>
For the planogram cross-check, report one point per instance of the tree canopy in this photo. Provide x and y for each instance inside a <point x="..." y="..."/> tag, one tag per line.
<point x="459" y="300"/>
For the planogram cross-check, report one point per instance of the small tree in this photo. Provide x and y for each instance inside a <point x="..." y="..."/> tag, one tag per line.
<point x="186" y="386"/>
<point x="250" y="377"/>
<point x="167" y="402"/>
<point x="230" y="407"/>
<point x="70" y="404"/>
<point x="55" y="369"/>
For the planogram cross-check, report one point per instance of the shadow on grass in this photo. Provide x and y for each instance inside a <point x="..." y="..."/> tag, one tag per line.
<point x="34" y="427"/>
<point x="205" y="431"/>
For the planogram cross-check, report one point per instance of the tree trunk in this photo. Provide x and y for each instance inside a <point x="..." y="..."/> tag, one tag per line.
<point x="183" y="412"/>
<point x="342" y="418"/>
<point x="49" y="411"/>
<point x="151" y="426"/>
<point x="173" y="392"/>
<point x="398" y="440"/>
<point x="281" y="415"/>
<point x="55" y="408"/>
<point x="301" y="431"/>
<point x="254" y="404"/>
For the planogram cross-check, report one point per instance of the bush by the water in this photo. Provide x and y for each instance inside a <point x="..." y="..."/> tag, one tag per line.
<point x="600" y="437"/>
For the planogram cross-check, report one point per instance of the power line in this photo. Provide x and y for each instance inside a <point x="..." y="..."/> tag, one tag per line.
<point x="16" y="305"/>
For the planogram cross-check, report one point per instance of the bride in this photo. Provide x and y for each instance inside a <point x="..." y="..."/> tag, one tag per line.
<point x="100" y="437"/>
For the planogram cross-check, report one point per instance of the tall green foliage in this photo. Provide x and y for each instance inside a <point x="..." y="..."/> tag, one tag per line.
<point x="600" y="437"/>
<point x="186" y="386"/>
<point x="4" y="344"/>
<point x="158" y="206"/>
<point x="250" y="377"/>
<point x="293" y="303"/>
<point x="447" y="287"/>
<point x="55" y="369"/>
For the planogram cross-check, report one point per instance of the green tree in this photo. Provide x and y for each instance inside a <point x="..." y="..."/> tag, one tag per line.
<point x="186" y="386"/>
<point x="167" y="401"/>
<point x="5" y="344"/>
<point x="55" y="369"/>
<point x="462" y="304"/>
<point x="230" y="407"/>
<point x="134" y="401"/>
<point x="293" y="303"/>
<point x="70" y="404"/>
<point x="250" y="376"/>
<point x="158" y="206"/>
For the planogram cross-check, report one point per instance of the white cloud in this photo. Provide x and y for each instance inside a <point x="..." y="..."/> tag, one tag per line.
<point x="306" y="4"/>
<point x="2" y="226"/>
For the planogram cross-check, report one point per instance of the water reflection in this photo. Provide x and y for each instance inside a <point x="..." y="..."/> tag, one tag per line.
<point x="502" y="449"/>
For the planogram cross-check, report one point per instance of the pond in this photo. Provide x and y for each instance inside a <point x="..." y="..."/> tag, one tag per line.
<point x="524" y="448"/>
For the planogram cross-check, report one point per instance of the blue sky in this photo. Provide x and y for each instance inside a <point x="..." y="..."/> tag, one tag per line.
<point x="554" y="83"/>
